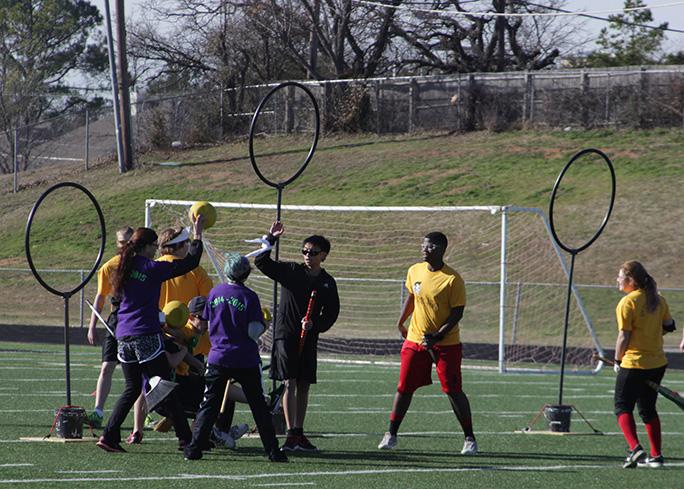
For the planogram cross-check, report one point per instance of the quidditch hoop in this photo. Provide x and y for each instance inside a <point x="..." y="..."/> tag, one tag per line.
<point x="314" y="142"/>
<point x="598" y="232"/>
<point x="27" y="239"/>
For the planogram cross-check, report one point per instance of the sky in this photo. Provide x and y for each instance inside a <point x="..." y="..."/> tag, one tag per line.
<point x="673" y="14"/>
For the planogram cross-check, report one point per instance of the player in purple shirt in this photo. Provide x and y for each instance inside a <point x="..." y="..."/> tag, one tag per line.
<point x="235" y="323"/>
<point x="137" y="282"/>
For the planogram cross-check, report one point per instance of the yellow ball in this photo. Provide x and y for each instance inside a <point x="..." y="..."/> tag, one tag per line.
<point x="266" y="314"/>
<point x="176" y="313"/>
<point x="207" y="211"/>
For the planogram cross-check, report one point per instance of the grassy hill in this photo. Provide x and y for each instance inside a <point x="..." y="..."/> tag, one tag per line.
<point x="517" y="168"/>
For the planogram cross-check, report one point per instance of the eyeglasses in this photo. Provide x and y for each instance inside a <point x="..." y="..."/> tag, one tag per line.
<point x="310" y="252"/>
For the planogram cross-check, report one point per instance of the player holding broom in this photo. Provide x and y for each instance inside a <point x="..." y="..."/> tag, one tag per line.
<point x="435" y="303"/>
<point x="298" y="370"/>
<point x="643" y="317"/>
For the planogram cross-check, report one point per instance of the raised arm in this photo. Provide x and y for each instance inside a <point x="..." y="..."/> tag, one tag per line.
<point x="266" y="265"/>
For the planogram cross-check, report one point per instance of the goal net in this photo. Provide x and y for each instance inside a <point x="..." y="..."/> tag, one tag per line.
<point x="516" y="278"/>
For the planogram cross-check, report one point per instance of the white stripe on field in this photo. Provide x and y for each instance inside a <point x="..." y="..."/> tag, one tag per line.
<point x="88" y="471"/>
<point x="323" y="474"/>
<point x="281" y="484"/>
<point x="15" y="465"/>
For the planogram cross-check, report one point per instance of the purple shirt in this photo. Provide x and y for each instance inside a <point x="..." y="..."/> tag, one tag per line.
<point x="229" y="309"/>
<point x="139" y="309"/>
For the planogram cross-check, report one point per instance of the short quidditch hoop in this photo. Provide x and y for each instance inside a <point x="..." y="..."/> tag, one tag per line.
<point x="27" y="239"/>
<point x="606" y="217"/>
<point x="314" y="141"/>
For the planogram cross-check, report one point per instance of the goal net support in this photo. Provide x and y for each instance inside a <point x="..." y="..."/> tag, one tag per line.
<point x="516" y="277"/>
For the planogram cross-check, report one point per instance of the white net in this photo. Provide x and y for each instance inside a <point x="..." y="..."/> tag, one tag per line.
<point x="372" y="248"/>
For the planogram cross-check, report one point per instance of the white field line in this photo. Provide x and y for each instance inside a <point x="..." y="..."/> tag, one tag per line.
<point x="88" y="471"/>
<point x="15" y="465"/>
<point x="281" y="484"/>
<point x="323" y="474"/>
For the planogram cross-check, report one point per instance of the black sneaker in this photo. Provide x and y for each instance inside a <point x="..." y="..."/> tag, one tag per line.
<point x="277" y="456"/>
<point x="290" y="444"/>
<point x="110" y="447"/>
<point x="653" y="462"/>
<point x="634" y="457"/>
<point x="192" y="454"/>
<point x="305" y="445"/>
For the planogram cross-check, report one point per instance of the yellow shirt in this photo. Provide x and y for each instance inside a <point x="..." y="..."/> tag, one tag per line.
<point x="184" y="288"/>
<point x="104" y="276"/>
<point x="435" y="294"/>
<point x="645" y="348"/>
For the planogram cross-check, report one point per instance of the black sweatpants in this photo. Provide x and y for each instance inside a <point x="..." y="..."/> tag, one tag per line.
<point x="631" y="388"/>
<point x="216" y="380"/>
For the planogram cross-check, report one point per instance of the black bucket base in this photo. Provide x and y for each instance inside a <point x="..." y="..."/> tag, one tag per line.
<point x="69" y="422"/>
<point x="279" y="422"/>
<point x="558" y="417"/>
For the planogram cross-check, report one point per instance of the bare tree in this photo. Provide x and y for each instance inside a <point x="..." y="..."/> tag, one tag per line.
<point x="448" y="43"/>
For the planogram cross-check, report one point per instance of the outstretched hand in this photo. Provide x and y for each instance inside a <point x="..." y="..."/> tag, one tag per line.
<point x="198" y="225"/>
<point x="277" y="229"/>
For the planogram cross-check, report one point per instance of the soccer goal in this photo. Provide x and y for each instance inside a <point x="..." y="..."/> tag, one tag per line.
<point x="516" y="278"/>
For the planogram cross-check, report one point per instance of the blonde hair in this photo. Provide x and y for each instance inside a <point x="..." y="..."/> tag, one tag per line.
<point x="642" y="280"/>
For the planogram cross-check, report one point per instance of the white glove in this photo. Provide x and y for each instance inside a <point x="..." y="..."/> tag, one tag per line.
<point x="616" y="367"/>
<point x="265" y="246"/>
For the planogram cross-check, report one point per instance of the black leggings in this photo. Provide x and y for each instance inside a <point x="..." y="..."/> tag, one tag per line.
<point x="133" y="375"/>
<point x="250" y="380"/>
<point x="631" y="388"/>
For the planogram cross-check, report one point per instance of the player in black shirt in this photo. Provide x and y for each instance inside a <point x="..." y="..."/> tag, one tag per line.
<point x="298" y="371"/>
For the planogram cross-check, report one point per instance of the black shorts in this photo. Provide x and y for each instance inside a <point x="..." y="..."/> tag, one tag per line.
<point x="631" y="388"/>
<point x="287" y="363"/>
<point x="110" y="347"/>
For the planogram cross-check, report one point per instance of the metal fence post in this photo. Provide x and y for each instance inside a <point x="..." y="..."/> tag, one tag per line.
<point x="378" y="107"/>
<point x="584" y="90"/>
<point x="413" y="104"/>
<point x="15" y="160"/>
<point x="87" y="139"/>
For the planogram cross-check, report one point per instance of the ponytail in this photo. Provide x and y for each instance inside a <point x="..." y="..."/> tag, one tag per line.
<point x="141" y="238"/>
<point x="642" y="280"/>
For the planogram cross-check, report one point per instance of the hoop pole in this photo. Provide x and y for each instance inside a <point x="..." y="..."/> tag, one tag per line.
<point x="274" y="315"/>
<point x="565" y="328"/>
<point x="67" y="361"/>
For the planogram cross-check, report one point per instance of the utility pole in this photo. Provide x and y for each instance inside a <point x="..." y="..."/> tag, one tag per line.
<point x="124" y="83"/>
<point x="115" y="89"/>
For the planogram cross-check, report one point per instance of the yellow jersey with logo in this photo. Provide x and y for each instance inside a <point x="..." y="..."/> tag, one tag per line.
<point x="645" y="348"/>
<point x="105" y="274"/>
<point x="435" y="294"/>
<point x="184" y="288"/>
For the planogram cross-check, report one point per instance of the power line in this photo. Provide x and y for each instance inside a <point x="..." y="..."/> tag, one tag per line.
<point x="605" y="19"/>
<point x="565" y="13"/>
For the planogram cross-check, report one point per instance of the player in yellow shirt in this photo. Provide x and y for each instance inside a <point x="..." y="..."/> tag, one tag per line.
<point x="436" y="301"/>
<point x="643" y="317"/>
<point x="109" y="344"/>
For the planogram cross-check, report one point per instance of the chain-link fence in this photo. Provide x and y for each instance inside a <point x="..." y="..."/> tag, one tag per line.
<point x="632" y="97"/>
<point x="582" y="99"/>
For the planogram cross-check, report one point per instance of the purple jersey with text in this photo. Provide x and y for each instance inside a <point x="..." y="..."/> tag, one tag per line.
<point x="229" y="309"/>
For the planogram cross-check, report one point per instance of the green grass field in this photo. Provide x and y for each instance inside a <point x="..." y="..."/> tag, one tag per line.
<point x="347" y="416"/>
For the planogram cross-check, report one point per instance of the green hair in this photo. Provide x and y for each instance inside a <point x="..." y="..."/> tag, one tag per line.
<point x="237" y="267"/>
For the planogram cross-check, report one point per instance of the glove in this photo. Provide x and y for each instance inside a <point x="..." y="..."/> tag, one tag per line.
<point x="616" y="366"/>
<point x="265" y="246"/>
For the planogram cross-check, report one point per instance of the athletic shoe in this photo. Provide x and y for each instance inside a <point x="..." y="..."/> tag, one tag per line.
<point x="277" y="456"/>
<point x="223" y="438"/>
<point x="149" y="423"/>
<point x="388" y="442"/>
<point x="164" y="425"/>
<point x="94" y="420"/>
<point x="653" y="462"/>
<point x="110" y="447"/>
<point x="238" y="431"/>
<point x="469" y="447"/>
<point x="634" y="457"/>
<point x="192" y="454"/>
<point x="134" y="438"/>
<point x="290" y="444"/>
<point x="305" y="445"/>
